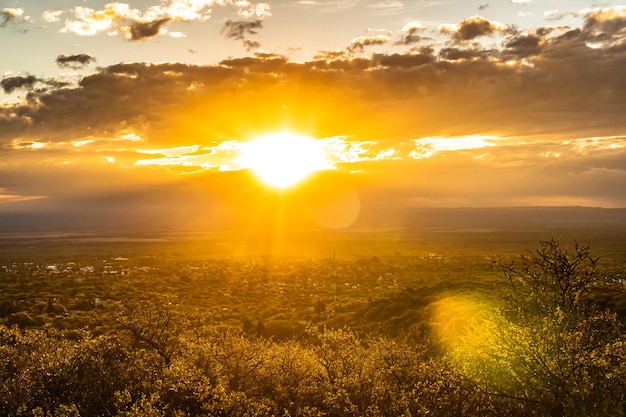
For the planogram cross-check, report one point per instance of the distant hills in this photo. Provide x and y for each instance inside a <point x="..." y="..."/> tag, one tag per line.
<point x="515" y="218"/>
<point x="488" y="219"/>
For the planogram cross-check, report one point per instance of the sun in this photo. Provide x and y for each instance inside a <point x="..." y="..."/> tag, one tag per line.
<point x="281" y="160"/>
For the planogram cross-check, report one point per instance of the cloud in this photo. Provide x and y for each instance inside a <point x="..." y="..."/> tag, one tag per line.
<point x="113" y="19"/>
<point x="554" y="15"/>
<point x="524" y="44"/>
<point x="608" y="21"/>
<point x="603" y="29"/>
<point x="28" y="82"/>
<point x="10" y="15"/>
<point x="74" y="61"/>
<point x="454" y="54"/>
<point x="408" y="60"/>
<point x="326" y="55"/>
<point x="411" y="34"/>
<point x="471" y="28"/>
<point x="328" y="6"/>
<point x="52" y="16"/>
<point x="251" y="45"/>
<point x="359" y="44"/>
<point x="241" y="30"/>
<point x="13" y="17"/>
<point x="118" y="18"/>
<point x="387" y="6"/>
<point x="11" y="84"/>
<point x="134" y="24"/>
<point x="147" y="30"/>
<point x="428" y="147"/>
<point x="597" y="22"/>
<point x="247" y="9"/>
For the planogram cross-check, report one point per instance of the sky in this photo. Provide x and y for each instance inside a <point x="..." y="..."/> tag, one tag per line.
<point x="146" y="108"/>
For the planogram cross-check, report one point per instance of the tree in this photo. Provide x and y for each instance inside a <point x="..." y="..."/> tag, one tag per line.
<point x="320" y="307"/>
<point x="549" y="349"/>
<point x="157" y="324"/>
<point x="551" y="279"/>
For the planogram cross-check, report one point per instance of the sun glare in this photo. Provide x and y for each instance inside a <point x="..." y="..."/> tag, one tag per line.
<point x="283" y="159"/>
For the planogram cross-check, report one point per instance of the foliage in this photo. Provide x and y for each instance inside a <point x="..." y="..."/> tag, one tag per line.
<point x="241" y="338"/>
<point x="215" y="373"/>
<point x="155" y="324"/>
<point x="44" y="370"/>
<point x="548" y="348"/>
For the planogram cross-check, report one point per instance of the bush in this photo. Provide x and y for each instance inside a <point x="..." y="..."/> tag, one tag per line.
<point x="22" y="319"/>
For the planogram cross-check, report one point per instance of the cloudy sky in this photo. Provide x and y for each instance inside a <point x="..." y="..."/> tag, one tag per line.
<point x="147" y="106"/>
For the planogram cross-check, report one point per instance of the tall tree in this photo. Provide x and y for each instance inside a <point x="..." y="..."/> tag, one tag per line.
<point x="548" y="349"/>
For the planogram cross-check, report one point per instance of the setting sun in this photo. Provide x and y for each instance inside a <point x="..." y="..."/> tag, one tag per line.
<point x="283" y="159"/>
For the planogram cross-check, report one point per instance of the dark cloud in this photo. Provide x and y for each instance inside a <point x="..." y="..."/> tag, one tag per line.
<point x="241" y="30"/>
<point x="11" y="84"/>
<point x="524" y="45"/>
<point x="265" y="55"/>
<point x="471" y="28"/>
<point x="74" y="61"/>
<point x="28" y="82"/>
<point x="454" y="54"/>
<point x="146" y="30"/>
<point x="398" y="95"/>
<point x="403" y="60"/>
<point x="411" y="36"/>
<point x="260" y="63"/>
<point x="346" y="64"/>
<point x="327" y="55"/>
<point x="570" y="35"/>
<point x="359" y="44"/>
<point x="544" y="31"/>
<point x="251" y="45"/>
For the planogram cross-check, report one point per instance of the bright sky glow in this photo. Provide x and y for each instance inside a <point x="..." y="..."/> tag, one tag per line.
<point x="437" y="103"/>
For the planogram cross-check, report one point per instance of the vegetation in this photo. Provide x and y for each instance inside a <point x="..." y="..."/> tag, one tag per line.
<point x="550" y="348"/>
<point x="428" y="334"/>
